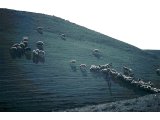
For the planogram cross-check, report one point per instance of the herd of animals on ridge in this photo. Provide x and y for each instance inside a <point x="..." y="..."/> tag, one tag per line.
<point x="18" y="50"/>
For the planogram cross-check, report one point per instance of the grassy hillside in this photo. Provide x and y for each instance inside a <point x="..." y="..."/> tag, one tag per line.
<point x="148" y="103"/>
<point x="154" y="53"/>
<point x="55" y="79"/>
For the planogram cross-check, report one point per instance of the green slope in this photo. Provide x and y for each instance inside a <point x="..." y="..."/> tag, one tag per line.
<point x="79" y="45"/>
<point x="154" y="53"/>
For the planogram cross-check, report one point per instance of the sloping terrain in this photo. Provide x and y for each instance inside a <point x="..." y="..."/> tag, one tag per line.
<point x="148" y="103"/>
<point x="26" y="86"/>
<point x="154" y="53"/>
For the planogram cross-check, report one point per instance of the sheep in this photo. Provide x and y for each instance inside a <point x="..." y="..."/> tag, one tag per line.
<point x="63" y="36"/>
<point x="150" y="84"/>
<point x="83" y="67"/>
<point x="155" y="90"/>
<point x="110" y="65"/>
<point x="105" y="71"/>
<point x="96" y="53"/>
<point x="73" y="61"/>
<point x="113" y="73"/>
<point x="38" y="56"/>
<point x="96" y="50"/>
<point x="120" y="77"/>
<point x="128" y="79"/>
<point x="35" y="56"/>
<point x="105" y="66"/>
<point x="94" y="68"/>
<point x="15" y="45"/>
<point x="110" y="73"/>
<point x="39" y="45"/>
<point x="19" y="51"/>
<point x="73" y="65"/>
<point x="158" y="72"/>
<point x="22" y="45"/>
<point x="28" y="53"/>
<point x="127" y="71"/>
<point x="25" y="39"/>
<point x="141" y="82"/>
<point x="16" y="51"/>
<point x="40" y="30"/>
<point x="25" y="43"/>
<point x="146" y="88"/>
<point x="13" y="52"/>
<point x="41" y="55"/>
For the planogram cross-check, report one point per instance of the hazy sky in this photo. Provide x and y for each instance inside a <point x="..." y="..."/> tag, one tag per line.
<point x="133" y="21"/>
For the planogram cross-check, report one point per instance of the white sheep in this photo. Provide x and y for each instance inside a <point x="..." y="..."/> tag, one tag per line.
<point x="35" y="56"/>
<point x="39" y="45"/>
<point x="22" y="45"/>
<point x="96" y="50"/>
<point x="73" y="61"/>
<point x="94" y="68"/>
<point x="25" y="43"/>
<point x="127" y="71"/>
<point x="40" y="30"/>
<point x="38" y="56"/>
<point x="28" y="53"/>
<point x="25" y="38"/>
<point x="158" y="72"/>
<point x="13" y="52"/>
<point x="105" y="66"/>
<point x="16" y="51"/>
<point x="73" y="65"/>
<point x="63" y="36"/>
<point x="120" y="77"/>
<point x="113" y="72"/>
<point x="96" y="53"/>
<point x="41" y="55"/>
<point x="19" y="51"/>
<point x="15" y="45"/>
<point x="83" y="67"/>
<point x="105" y="71"/>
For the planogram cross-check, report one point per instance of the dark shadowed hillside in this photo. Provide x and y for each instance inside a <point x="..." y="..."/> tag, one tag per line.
<point x="26" y="86"/>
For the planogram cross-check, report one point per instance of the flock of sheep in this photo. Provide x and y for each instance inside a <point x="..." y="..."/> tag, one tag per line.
<point x="97" y="53"/>
<point x="127" y="77"/>
<point x="18" y="50"/>
<point x="22" y="49"/>
<point x="106" y="71"/>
